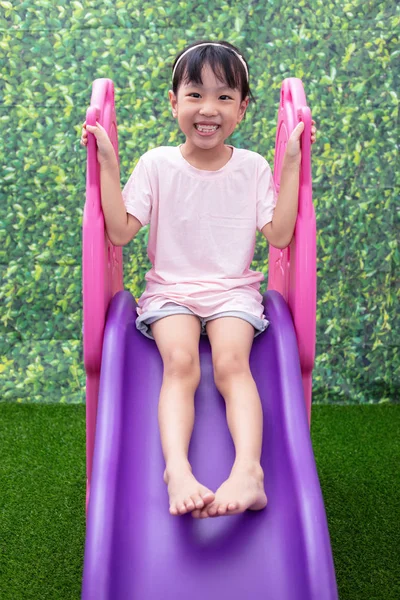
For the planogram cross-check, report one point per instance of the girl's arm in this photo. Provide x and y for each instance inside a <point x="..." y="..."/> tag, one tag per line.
<point x="279" y="231"/>
<point x="121" y="226"/>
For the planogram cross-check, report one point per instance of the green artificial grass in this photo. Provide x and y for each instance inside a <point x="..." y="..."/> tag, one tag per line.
<point x="42" y="498"/>
<point x="42" y="501"/>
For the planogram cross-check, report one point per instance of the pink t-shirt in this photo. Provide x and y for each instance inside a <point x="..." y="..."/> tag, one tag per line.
<point x="202" y="229"/>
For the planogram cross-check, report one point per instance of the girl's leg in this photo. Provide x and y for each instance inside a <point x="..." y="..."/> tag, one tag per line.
<point x="177" y="338"/>
<point x="231" y="340"/>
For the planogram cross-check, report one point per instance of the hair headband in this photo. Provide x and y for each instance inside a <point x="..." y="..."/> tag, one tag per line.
<point x="212" y="44"/>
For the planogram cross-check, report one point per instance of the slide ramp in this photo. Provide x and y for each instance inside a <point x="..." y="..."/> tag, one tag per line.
<point x="135" y="550"/>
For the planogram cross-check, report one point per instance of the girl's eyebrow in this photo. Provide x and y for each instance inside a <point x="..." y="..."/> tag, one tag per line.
<point x="219" y="87"/>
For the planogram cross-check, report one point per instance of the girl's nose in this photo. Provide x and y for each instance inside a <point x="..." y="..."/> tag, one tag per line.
<point x="208" y="109"/>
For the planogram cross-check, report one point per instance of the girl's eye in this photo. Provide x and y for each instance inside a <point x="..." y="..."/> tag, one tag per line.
<point x="223" y="96"/>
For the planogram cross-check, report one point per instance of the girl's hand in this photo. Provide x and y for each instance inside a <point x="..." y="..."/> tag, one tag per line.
<point x="293" y="146"/>
<point x="105" y="150"/>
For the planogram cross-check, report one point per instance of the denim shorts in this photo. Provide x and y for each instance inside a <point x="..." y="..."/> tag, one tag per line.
<point x="144" y="321"/>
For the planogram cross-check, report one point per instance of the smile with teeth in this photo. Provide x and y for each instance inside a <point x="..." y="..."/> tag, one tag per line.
<point x="206" y="129"/>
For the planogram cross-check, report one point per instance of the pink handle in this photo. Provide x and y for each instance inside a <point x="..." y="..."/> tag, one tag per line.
<point x="102" y="266"/>
<point x="292" y="271"/>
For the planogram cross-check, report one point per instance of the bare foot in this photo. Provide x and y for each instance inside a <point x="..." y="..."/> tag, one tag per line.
<point x="185" y="492"/>
<point x="243" y="490"/>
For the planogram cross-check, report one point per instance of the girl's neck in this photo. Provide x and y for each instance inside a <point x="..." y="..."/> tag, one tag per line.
<point x="207" y="160"/>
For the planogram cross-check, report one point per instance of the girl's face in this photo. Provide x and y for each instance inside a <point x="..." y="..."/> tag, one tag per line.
<point x="212" y="103"/>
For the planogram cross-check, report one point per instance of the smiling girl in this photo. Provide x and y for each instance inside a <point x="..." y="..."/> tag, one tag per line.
<point x="204" y="201"/>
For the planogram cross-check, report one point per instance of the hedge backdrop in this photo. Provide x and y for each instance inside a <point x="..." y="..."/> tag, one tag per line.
<point x="347" y="55"/>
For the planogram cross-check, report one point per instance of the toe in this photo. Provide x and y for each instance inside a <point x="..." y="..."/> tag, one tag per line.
<point x="197" y="500"/>
<point x="190" y="505"/>
<point x="222" y="509"/>
<point x="232" y="506"/>
<point x="196" y="513"/>
<point x="182" y="509"/>
<point x="173" y="509"/>
<point x="212" y="510"/>
<point x="208" y="497"/>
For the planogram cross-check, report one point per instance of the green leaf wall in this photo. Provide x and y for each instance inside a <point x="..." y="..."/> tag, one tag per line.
<point x="346" y="53"/>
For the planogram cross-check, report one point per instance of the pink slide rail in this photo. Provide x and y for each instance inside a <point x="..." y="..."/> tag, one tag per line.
<point x="102" y="266"/>
<point x="293" y="270"/>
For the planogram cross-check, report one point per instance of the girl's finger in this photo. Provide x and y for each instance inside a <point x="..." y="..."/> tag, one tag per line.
<point x="298" y="130"/>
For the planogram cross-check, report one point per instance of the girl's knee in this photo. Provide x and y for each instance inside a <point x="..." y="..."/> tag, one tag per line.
<point x="179" y="362"/>
<point x="229" y="364"/>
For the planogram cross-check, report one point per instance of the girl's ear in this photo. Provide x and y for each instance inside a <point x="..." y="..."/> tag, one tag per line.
<point x="173" y="101"/>
<point x="242" y="109"/>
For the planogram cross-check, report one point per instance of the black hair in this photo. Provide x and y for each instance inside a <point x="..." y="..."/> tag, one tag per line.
<point x="226" y="66"/>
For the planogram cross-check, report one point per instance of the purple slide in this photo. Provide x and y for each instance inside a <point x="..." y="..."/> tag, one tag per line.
<point x="135" y="550"/>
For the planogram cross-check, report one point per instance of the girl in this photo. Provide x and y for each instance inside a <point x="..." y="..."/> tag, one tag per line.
<point x="204" y="201"/>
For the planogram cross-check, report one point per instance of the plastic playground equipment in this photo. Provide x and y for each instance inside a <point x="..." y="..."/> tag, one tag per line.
<point x="135" y="550"/>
